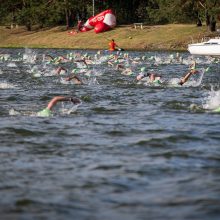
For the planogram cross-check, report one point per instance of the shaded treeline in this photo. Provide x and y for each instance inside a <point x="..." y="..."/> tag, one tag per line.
<point x="47" y="13"/>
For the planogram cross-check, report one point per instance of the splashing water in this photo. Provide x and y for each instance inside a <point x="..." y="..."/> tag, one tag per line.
<point x="93" y="81"/>
<point x="6" y="85"/>
<point x="213" y="100"/>
<point x="11" y="65"/>
<point x="68" y="108"/>
<point x="13" y="112"/>
<point x="29" y="56"/>
<point x="199" y="80"/>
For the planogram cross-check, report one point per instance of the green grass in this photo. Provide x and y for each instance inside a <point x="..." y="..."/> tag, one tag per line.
<point x="161" y="37"/>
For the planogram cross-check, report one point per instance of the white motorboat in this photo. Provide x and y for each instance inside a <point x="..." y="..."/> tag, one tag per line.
<point x="207" y="48"/>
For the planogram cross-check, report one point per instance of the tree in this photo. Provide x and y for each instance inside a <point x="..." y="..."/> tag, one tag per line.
<point x="207" y="10"/>
<point x="65" y="12"/>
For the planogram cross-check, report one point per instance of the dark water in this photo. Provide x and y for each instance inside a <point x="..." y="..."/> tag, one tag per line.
<point x="129" y="151"/>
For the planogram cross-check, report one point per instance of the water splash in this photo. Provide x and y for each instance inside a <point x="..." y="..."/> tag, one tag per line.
<point x="29" y="56"/>
<point x="6" y="85"/>
<point x="199" y="80"/>
<point x="93" y="81"/>
<point x="13" y="112"/>
<point x="68" y="108"/>
<point x="212" y="101"/>
<point x="11" y="65"/>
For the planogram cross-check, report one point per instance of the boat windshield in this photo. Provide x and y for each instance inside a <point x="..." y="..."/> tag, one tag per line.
<point x="211" y="43"/>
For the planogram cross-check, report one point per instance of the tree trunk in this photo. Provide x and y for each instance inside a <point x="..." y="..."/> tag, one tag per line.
<point x="28" y="26"/>
<point x="212" y="25"/>
<point x="199" y="22"/>
<point x="67" y="19"/>
<point x="207" y="16"/>
<point x="66" y="14"/>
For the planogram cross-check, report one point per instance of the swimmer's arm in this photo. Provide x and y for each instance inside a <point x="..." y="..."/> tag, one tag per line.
<point x="62" y="98"/>
<point x="185" y="78"/>
<point x="83" y="61"/>
<point x="74" y="77"/>
<point x="58" y="70"/>
<point x="47" y="55"/>
<point x="57" y="99"/>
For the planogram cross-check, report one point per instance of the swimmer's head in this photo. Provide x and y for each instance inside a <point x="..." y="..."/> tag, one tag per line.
<point x="75" y="101"/>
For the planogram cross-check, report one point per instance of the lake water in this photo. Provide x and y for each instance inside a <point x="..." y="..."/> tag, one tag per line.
<point x="129" y="151"/>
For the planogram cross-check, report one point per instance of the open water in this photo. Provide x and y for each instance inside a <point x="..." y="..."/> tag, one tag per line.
<point x="129" y="151"/>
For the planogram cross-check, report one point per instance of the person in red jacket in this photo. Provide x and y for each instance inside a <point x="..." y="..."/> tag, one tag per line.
<point x="112" y="45"/>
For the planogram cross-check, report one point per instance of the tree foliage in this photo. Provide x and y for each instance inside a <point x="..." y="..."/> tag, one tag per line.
<point x="43" y="13"/>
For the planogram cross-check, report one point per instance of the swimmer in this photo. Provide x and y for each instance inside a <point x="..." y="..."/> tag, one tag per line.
<point x="192" y="71"/>
<point x="81" y="60"/>
<point x="61" y="59"/>
<point x="48" y="110"/>
<point x="153" y="77"/>
<point x="75" y="79"/>
<point x="48" y="58"/>
<point x="61" y="70"/>
<point x="127" y="71"/>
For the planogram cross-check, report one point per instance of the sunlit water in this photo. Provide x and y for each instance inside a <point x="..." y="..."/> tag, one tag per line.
<point x="129" y="151"/>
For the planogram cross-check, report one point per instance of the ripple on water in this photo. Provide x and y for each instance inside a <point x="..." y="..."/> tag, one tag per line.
<point x="129" y="151"/>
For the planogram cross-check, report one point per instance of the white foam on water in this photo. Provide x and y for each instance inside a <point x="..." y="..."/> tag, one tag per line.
<point x="97" y="72"/>
<point x="199" y="80"/>
<point x="212" y="101"/>
<point x="13" y="112"/>
<point x="68" y="108"/>
<point x="11" y="65"/>
<point x="93" y="81"/>
<point x="4" y="57"/>
<point x="29" y="56"/>
<point x="81" y="65"/>
<point x="174" y="82"/>
<point x="6" y="85"/>
<point x="37" y="75"/>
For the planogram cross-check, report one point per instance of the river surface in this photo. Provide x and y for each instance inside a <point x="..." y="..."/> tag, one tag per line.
<point x="129" y="151"/>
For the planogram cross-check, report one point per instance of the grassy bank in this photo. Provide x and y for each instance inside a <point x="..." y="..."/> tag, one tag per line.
<point x="162" y="37"/>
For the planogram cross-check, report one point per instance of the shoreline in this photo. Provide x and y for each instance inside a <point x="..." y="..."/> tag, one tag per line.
<point x="172" y="37"/>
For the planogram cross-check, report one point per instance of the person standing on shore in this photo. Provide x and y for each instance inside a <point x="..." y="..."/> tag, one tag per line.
<point x="112" y="45"/>
<point x="79" y="25"/>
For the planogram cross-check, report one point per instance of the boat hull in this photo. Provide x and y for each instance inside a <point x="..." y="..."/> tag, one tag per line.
<point x="206" y="50"/>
